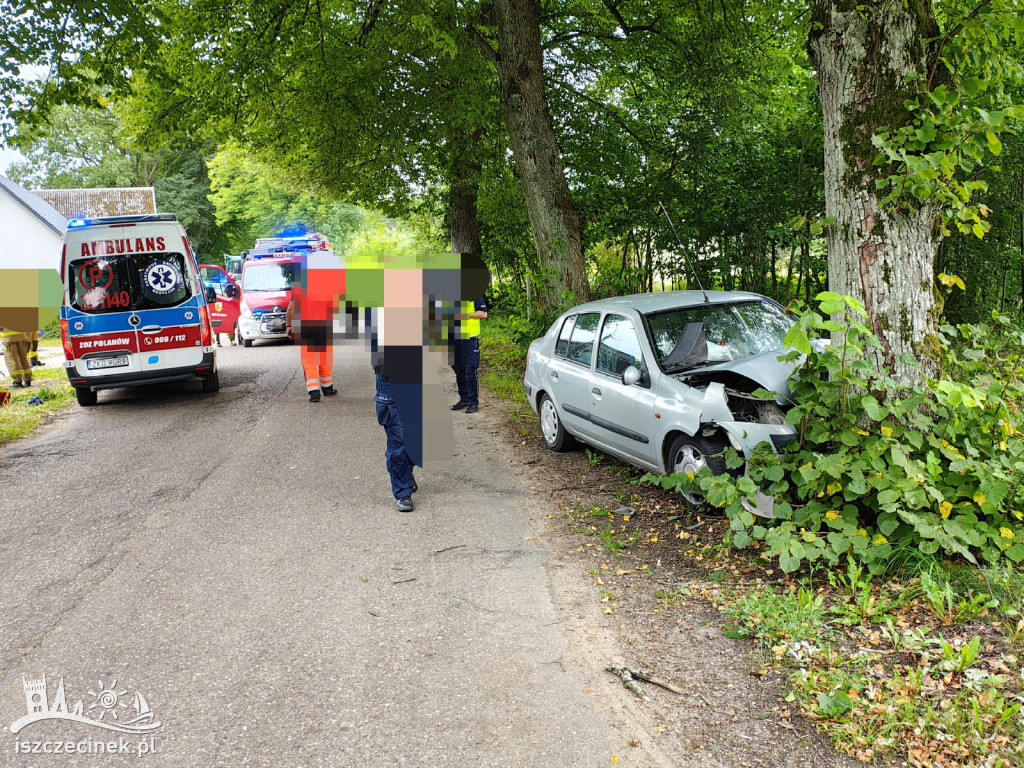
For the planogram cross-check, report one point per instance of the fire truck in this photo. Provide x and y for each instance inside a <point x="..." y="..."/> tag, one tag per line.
<point x="268" y="270"/>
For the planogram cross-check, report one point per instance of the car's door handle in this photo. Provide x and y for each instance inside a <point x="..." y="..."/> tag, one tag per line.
<point x="151" y="329"/>
<point x="554" y="375"/>
<point x="596" y="391"/>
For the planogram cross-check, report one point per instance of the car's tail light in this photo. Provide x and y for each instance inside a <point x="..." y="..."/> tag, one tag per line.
<point x="65" y="339"/>
<point x="204" y="321"/>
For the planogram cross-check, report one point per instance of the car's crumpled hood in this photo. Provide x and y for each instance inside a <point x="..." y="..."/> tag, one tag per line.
<point x="765" y="369"/>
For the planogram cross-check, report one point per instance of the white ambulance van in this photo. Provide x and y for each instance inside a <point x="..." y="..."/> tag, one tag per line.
<point x="135" y="310"/>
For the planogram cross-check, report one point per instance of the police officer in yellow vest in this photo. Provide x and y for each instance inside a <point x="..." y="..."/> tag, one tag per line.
<point x="16" y="356"/>
<point x="466" y="357"/>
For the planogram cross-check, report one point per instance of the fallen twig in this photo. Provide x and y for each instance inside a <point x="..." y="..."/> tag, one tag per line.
<point x="446" y="549"/>
<point x="627" y="680"/>
<point x="404" y="581"/>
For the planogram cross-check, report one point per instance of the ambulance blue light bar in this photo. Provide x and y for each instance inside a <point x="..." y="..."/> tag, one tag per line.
<point x="122" y="220"/>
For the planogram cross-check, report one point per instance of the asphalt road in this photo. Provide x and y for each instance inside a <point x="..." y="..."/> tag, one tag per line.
<point x="237" y="558"/>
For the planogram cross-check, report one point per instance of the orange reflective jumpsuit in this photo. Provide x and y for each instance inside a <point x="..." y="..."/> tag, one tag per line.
<point x="316" y="293"/>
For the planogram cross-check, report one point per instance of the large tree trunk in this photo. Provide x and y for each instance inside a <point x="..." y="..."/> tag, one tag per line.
<point x="553" y="217"/>
<point x="464" y="188"/>
<point x="864" y="50"/>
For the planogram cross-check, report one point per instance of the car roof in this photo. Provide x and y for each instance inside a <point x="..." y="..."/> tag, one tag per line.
<point x="646" y="303"/>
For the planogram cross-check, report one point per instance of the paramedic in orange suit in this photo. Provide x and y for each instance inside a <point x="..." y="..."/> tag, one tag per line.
<point x="317" y="287"/>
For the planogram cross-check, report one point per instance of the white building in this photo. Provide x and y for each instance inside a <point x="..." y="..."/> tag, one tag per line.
<point x="30" y="229"/>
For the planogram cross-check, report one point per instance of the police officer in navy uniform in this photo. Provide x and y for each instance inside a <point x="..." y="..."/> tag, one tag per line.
<point x="466" y="358"/>
<point x="397" y="460"/>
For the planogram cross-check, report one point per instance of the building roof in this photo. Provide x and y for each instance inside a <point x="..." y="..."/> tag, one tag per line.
<point x="96" y="203"/>
<point x="35" y="205"/>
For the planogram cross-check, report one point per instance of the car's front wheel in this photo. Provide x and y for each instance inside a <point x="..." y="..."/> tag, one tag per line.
<point x="692" y="454"/>
<point x="554" y="434"/>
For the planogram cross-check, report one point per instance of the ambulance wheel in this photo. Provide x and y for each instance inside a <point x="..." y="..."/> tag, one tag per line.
<point x="211" y="383"/>
<point x="246" y="342"/>
<point x="86" y="396"/>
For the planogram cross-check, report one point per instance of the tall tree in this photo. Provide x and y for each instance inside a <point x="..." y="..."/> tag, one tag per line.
<point x="891" y="78"/>
<point x="553" y="216"/>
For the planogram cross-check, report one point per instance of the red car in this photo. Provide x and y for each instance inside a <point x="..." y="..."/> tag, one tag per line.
<point x="225" y="309"/>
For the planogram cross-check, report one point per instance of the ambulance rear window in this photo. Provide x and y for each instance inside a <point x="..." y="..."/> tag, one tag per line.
<point x="128" y="282"/>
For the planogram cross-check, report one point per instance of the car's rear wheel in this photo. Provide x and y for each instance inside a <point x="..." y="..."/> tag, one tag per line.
<point x="692" y="454"/>
<point x="86" y="397"/>
<point x="554" y="434"/>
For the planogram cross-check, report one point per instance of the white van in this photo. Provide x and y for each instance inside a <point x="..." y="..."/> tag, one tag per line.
<point x="135" y="311"/>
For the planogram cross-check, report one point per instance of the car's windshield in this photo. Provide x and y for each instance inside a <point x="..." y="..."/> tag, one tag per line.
<point x="732" y="331"/>
<point x="267" y="277"/>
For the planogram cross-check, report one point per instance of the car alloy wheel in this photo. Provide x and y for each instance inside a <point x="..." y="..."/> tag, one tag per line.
<point x="555" y="436"/>
<point x="692" y="454"/>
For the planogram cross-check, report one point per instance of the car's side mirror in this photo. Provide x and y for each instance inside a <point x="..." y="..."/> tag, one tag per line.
<point x="211" y="294"/>
<point x="231" y="291"/>
<point x="631" y="376"/>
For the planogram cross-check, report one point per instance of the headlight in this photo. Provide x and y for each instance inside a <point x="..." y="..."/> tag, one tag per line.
<point x="244" y="308"/>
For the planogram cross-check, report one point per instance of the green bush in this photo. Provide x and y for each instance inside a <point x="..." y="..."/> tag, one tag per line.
<point x="875" y="465"/>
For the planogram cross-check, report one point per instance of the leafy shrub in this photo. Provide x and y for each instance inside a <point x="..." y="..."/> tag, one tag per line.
<point x="877" y="465"/>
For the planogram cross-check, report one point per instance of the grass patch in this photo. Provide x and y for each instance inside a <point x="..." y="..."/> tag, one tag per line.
<point x="787" y="621"/>
<point x="19" y="419"/>
<point x="934" y="694"/>
<point x="504" y="361"/>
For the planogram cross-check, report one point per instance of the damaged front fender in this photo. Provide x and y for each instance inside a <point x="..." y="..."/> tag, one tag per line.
<point x="745" y="437"/>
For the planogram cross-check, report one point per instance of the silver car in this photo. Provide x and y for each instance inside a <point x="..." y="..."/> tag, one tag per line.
<point x="664" y="380"/>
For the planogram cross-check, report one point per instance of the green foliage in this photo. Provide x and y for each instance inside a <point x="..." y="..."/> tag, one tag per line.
<point x="970" y="99"/>
<point x="866" y="602"/>
<point x="876" y="466"/>
<point x="774" y="618"/>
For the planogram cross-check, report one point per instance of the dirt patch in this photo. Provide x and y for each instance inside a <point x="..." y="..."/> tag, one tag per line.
<point x="623" y="557"/>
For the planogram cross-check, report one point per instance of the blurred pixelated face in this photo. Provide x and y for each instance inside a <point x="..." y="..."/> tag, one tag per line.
<point x="402" y="322"/>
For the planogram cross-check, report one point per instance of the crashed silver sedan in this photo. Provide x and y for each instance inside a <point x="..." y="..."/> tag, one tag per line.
<point x="664" y="380"/>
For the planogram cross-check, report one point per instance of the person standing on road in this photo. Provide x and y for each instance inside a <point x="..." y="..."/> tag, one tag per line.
<point x="396" y="458"/>
<point x="316" y="291"/>
<point x="16" y="356"/>
<point x="466" y="350"/>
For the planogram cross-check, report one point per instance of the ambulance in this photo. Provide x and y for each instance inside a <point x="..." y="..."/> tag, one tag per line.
<point x="135" y="310"/>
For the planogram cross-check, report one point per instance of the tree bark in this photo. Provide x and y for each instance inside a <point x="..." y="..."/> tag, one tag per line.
<point x="864" y="51"/>
<point x="464" y="188"/>
<point x="554" y="221"/>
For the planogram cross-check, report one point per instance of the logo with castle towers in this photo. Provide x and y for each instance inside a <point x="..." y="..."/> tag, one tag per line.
<point x="107" y="708"/>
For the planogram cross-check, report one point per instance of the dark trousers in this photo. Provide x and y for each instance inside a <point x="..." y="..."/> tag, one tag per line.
<point x="465" y="362"/>
<point x="395" y="457"/>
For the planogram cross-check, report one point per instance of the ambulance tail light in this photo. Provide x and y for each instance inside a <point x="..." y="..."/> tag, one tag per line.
<point x="65" y="339"/>
<point x="204" y="321"/>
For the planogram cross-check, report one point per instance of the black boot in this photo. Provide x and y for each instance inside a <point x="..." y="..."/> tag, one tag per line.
<point x="329" y="390"/>
<point x="314" y="396"/>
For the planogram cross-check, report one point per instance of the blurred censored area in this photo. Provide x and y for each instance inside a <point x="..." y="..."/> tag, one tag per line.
<point x="415" y="300"/>
<point x="29" y="298"/>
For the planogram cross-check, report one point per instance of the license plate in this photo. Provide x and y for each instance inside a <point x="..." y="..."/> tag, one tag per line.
<point x="107" y="362"/>
<point x="274" y="326"/>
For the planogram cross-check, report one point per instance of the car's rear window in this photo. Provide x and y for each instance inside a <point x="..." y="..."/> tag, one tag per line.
<point x="128" y="282"/>
<point x="732" y="331"/>
<point x="581" y="343"/>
